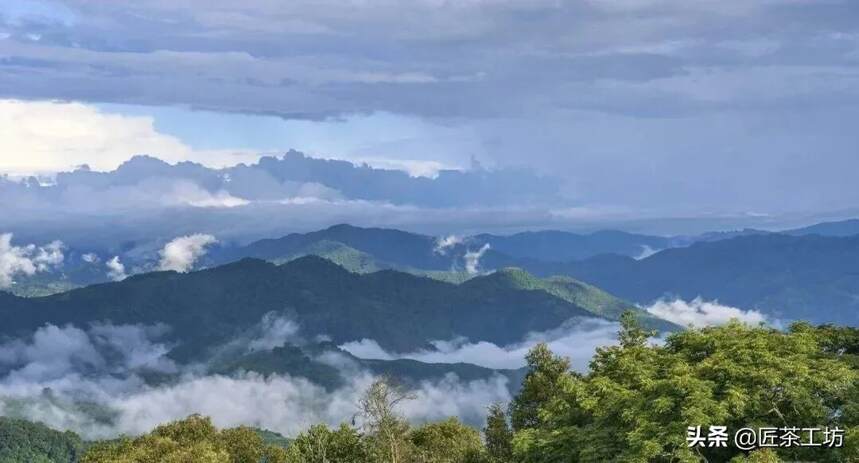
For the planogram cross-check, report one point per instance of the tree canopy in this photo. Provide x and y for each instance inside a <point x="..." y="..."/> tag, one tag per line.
<point x="638" y="400"/>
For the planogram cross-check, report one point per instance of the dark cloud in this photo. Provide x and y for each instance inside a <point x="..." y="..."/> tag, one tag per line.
<point x="714" y="106"/>
<point x="429" y="58"/>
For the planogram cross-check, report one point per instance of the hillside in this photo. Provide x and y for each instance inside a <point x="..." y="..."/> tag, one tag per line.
<point x="400" y="311"/>
<point x="809" y="277"/>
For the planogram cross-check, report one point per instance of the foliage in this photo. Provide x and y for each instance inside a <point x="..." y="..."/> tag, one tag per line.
<point x="637" y="401"/>
<point x="193" y="439"/>
<point x="26" y="442"/>
<point x="447" y="441"/>
<point x="387" y="429"/>
<point x="498" y="435"/>
<point x="541" y="385"/>
<point x="319" y="444"/>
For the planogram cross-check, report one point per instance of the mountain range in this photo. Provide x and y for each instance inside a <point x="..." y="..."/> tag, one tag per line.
<point x="809" y="274"/>
<point x="805" y="273"/>
<point x="209" y="312"/>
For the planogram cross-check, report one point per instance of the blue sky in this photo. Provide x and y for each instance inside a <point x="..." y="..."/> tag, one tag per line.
<point x="730" y="106"/>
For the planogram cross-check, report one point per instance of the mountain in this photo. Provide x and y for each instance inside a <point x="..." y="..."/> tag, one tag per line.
<point x="840" y="228"/>
<point x="402" y="312"/>
<point x="569" y="289"/>
<point x="560" y="246"/>
<point x="388" y="248"/>
<point x="808" y="277"/>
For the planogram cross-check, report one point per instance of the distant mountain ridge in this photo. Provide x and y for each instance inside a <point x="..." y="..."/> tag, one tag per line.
<point x="402" y="312"/>
<point x="799" y="274"/>
<point x="806" y="277"/>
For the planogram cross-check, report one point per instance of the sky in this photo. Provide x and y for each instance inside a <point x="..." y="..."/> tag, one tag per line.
<point x="740" y="108"/>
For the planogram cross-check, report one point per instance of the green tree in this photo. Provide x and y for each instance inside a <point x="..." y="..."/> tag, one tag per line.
<point x="387" y="430"/>
<point x="540" y="386"/>
<point x="498" y="435"/>
<point x="637" y="400"/>
<point x="320" y="444"/>
<point x="447" y="441"/>
<point x="194" y="439"/>
<point x="26" y="442"/>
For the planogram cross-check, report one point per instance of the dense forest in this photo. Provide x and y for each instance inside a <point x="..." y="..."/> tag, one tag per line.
<point x="635" y="404"/>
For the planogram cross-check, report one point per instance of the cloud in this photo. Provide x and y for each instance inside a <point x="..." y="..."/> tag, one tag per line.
<point x="26" y="260"/>
<point x="115" y="269"/>
<point x="180" y="254"/>
<point x="290" y="405"/>
<point x="53" y="353"/>
<point x="681" y="75"/>
<point x="445" y="243"/>
<point x="47" y="136"/>
<point x="576" y="339"/>
<point x="90" y="258"/>
<point x="699" y="312"/>
<point x="275" y="331"/>
<point x="646" y="251"/>
<point x="472" y="259"/>
<point x="89" y="381"/>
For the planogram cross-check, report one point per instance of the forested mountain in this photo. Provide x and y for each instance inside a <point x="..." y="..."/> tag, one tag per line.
<point x="402" y="312"/>
<point x="794" y="275"/>
<point x="412" y="250"/>
<point x="802" y="276"/>
<point x="809" y="277"/>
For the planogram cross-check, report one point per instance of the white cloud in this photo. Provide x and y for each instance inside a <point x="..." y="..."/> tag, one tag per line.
<point x="576" y="339"/>
<point x="646" y="251"/>
<point x="53" y="353"/>
<point x="115" y="269"/>
<point x="26" y="260"/>
<point x="90" y="258"/>
<point x="275" y="331"/>
<point x="699" y="312"/>
<point x="45" y="136"/>
<point x="183" y="192"/>
<point x="472" y="259"/>
<point x="99" y="367"/>
<point x="290" y="405"/>
<point x="444" y="243"/>
<point x="181" y="253"/>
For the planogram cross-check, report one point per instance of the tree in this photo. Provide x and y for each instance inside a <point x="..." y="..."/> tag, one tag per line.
<point x="498" y="435"/>
<point x="23" y="441"/>
<point x="637" y="400"/>
<point x="192" y="439"/>
<point x="320" y="444"/>
<point x="540" y="386"/>
<point x="447" y="441"/>
<point x="386" y="429"/>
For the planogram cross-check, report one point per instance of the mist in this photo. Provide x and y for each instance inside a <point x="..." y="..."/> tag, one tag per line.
<point x="577" y="340"/>
<point x="699" y="313"/>
<point x="94" y="380"/>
